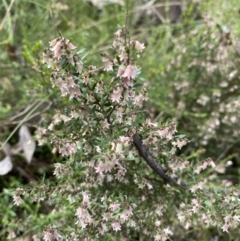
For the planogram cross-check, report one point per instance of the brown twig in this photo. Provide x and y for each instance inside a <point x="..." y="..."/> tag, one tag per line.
<point x="146" y="155"/>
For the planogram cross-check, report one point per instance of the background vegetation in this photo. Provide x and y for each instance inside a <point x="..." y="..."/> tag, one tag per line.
<point x="191" y="63"/>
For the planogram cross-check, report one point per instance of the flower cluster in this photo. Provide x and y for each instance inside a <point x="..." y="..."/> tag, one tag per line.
<point x="112" y="191"/>
<point x="51" y="234"/>
<point x="209" y="98"/>
<point x="103" y="102"/>
<point x="107" y="98"/>
<point x="59" y="53"/>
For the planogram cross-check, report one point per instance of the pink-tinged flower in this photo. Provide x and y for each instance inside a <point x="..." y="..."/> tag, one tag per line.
<point x="86" y="80"/>
<point x="115" y="43"/>
<point x="116" y="95"/>
<point x="162" y="133"/>
<point x="124" y="139"/>
<point x="116" y="226"/>
<point x="139" y="99"/>
<point x="114" y="206"/>
<point x="105" y="124"/>
<point x="118" y="33"/>
<point x="172" y="129"/>
<point x="128" y="94"/>
<point x="198" y="169"/>
<point x="129" y="211"/>
<point x="79" y="65"/>
<point x="85" y="198"/>
<point x="16" y="200"/>
<point x="70" y="46"/>
<point x="126" y="214"/>
<point x="169" y="135"/>
<point x="98" y="149"/>
<point x="107" y="216"/>
<point x="127" y="82"/>
<point x="59" y="169"/>
<point x="181" y="216"/>
<point x="40" y="133"/>
<point x="194" y="188"/>
<point x="99" y="169"/>
<point x="130" y="72"/>
<point x="46" y="56"/>
<point x="158" y="237"/>
<point x="211" y="162"/>
<point x="47" y="236"/>
<point x="206" y="219"/>
<point x="70" y="58"/>
<point x="104" y="229"/>
<point x="167" y="231"/>
<point x="119" y="112"/>
<point x="84" y="218"/>
<point x="70" y="80"/>
<point x="109" y="178"/>
<point x="68" y="149"/>
<point x="54" y="41"/>
<point x="150" y="123"/>
<point x="225" y="227"/>
<point x="181" y="143"/>
<point x="50" y="62"/>
<point x="56" y="235"/>
<point x="157" y="223"/>
<point x="118" y="149"/>
<point x="56" y="65"/>
<point x="196" y="205"/>
<point x="195" y="202"/>
<point x="123" y="55"/>
<point x="121" y="70"/>
<point x="139" y="47"/>
<point x="187" y="225"/>
<point x="120" y="174"/>
<point x="228" y="218"/>
<point x="99" y="88"/>
<point x="57" y="49"/>
<point x="204" y="165"/>
<point x="108" y="65"/>
<point x="74" y="91"/>
<point x="200" y="185"/>
<point x="90" y="97"/>
<point x="236" y="218"/>
<point x="108" y="166"/>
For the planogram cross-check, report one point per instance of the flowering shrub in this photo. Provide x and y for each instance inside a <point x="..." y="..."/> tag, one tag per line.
<point x="203" y="90"/>
<point x="122" y="177"/>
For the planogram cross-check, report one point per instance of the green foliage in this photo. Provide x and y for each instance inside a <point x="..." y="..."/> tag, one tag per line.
<point x="192" y="71"/>
<point x="194" y="79"/>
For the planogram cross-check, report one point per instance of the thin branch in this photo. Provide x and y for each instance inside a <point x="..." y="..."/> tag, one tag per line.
<point x="6" y="15"/>
<point x="25" y="174"/>
<point x="110" y="113"/>
<point x="223" y="154"/>
<point x="146" y="155"/>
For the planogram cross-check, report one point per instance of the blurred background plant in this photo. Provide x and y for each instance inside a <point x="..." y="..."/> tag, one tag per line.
<point x="191" y="64"/>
